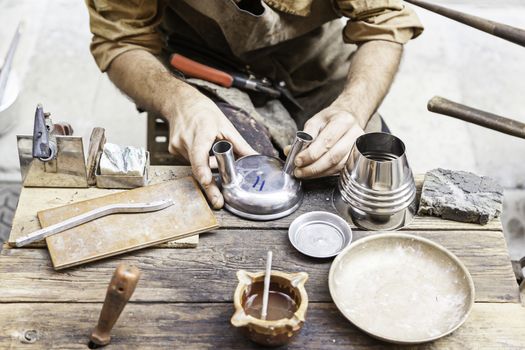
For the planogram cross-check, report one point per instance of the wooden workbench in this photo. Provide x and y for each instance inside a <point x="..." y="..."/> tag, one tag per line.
<point x="184" y="297"/>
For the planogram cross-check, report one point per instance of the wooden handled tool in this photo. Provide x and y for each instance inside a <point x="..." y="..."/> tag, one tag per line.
<point x="198" y="70"/>
<point x="195" y="69"/>
<point x="121" y="287"/>
<point x="475" y="116"/>
<point x="504" y="31"/>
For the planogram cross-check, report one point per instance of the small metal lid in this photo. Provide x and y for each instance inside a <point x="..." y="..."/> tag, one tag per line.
<point x="320" y="234"/>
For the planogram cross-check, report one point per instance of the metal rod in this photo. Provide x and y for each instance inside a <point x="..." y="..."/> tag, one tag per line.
<point x="504" y="31"/>
<point x="92" y="215"/>
<point x="302" y="139"/>
<point x="266" y="292"/>
<point x="475" y="116"/>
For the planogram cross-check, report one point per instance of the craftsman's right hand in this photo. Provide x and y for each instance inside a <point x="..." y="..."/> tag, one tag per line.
<point x="195" y="124"/>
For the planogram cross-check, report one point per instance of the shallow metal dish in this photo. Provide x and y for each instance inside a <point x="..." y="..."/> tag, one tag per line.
<point x="320" y="234"/>
<point x="401" y="288"/>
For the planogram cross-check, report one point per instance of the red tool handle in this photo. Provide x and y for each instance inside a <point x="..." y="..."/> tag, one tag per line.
<point x="195" y="69"/>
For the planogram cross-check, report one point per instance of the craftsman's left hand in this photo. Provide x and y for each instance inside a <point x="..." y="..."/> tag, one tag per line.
<point x="334" y="131"/>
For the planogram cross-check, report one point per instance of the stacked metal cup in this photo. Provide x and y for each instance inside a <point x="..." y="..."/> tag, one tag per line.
<point x="376" y="188"/>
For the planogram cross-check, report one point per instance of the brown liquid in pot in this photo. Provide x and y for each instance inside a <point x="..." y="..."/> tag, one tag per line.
<point x="280" y="305"/>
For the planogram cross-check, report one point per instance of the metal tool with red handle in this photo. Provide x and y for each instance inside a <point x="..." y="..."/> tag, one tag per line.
<point x="198" y="70"/>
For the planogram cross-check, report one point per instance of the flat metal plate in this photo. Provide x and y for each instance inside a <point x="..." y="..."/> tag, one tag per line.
<point x="401" y="288"/>
<point x="320" y="234"/>
<point x="67" y="170"/>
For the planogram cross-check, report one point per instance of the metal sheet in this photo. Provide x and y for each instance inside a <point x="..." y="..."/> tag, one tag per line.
<point x="401" y="288"/>
<point x="67" y="170"/>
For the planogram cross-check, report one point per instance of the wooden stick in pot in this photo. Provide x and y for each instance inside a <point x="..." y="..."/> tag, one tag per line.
<point x="120" y="289"/>
<point x="266" y="291"/>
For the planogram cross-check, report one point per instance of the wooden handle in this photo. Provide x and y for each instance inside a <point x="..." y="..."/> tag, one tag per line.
<point x="62" y="128"/>
<point x="121" y="287"/>
<point x="195" y="69"/>
<point x="504" y="31"/>
<point x="96" y="146"/>
<point x="475" y="116"/>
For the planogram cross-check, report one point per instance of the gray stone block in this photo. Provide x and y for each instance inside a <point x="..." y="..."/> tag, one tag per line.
<point x="460" y="196"/>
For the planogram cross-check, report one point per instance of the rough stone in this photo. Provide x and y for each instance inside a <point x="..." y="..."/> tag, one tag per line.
<point x="122" y="160"/>
<point x="460" y="196"/>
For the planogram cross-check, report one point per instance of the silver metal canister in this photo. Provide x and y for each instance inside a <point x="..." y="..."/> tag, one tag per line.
<point x="260" y="187"/>
<point x="376" y="188"/>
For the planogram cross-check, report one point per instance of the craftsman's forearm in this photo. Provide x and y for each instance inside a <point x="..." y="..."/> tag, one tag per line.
<point x="372" y="71"/>
<point x="142" y="77"/>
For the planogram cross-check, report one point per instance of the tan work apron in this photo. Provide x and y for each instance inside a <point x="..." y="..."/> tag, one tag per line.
<point x="307" y="53"/>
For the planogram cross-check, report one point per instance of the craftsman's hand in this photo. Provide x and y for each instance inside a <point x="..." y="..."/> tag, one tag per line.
<point x="195" y="124"/>
<point x="334" y="130"/>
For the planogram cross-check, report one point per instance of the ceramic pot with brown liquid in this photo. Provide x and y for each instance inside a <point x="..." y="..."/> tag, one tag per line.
<point x="287" y="304"/>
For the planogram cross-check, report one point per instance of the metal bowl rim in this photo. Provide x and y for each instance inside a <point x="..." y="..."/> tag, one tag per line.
<point x="344" y="226"/>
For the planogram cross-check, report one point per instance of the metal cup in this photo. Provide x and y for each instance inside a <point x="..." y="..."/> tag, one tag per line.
<point x="376" y="189"/>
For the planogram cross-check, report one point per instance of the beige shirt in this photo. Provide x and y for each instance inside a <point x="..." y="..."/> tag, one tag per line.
<point x="120" y="26"/>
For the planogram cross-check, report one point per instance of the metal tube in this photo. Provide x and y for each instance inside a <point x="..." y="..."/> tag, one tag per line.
<point x="475" y="116"/>
<point x="223" y="151"/>
<point x="302" y="139"/>
<point x="504" y="31"/>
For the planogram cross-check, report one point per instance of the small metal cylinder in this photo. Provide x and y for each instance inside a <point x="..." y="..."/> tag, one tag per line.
<point x="302" y="139"/>
<point x="223" y="151"/>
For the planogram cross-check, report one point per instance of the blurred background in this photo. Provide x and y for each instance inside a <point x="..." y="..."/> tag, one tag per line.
<point x="54" y="67"/>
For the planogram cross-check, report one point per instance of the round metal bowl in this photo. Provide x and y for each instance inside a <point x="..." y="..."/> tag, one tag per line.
<point x="320" y="234"/>
<point x="401" y="288"/>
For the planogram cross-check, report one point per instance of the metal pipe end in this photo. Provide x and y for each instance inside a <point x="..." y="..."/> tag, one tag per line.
<point x="221" y="147"/>
<point x="304" y="136"/>
<point x="380" y="147"/>
<point x="302" y="139"/>
<point x="223" y="151"/>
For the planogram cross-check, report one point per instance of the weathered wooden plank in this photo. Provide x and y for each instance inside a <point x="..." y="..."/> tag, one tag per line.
<point x="208" y="272"/>
<point x="318" y="196"/>
<point x="207" y="326"/>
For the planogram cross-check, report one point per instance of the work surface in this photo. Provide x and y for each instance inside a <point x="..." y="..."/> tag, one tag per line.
<point x="184" y="297"/>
